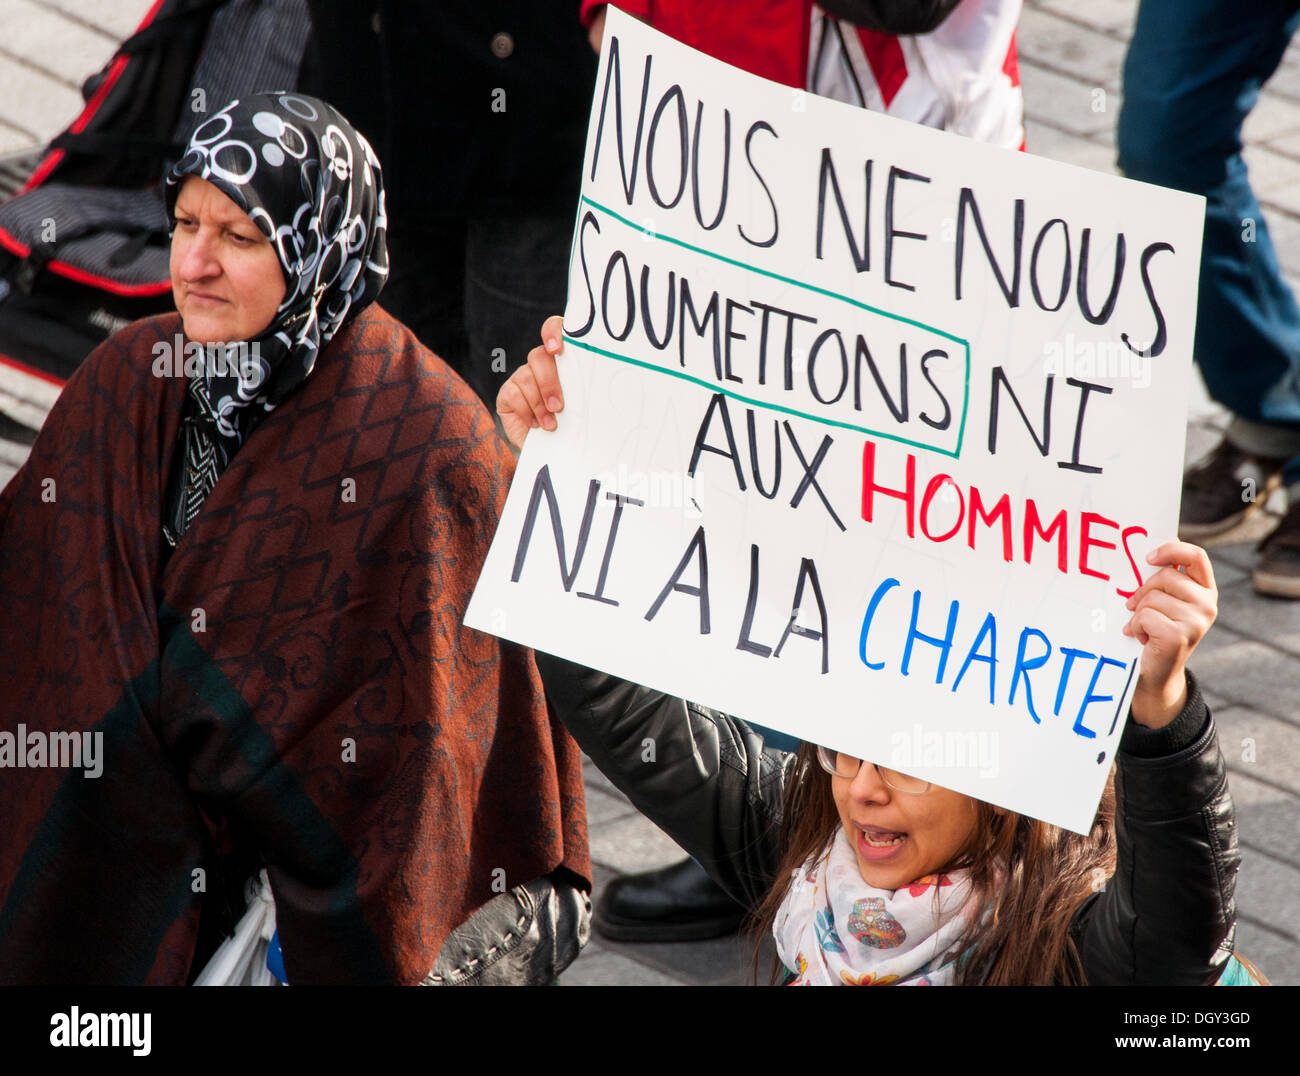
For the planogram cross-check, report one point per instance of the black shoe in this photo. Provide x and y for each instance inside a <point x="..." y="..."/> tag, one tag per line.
<point x="1224" y="490"/>
<point x="677" y="903"/>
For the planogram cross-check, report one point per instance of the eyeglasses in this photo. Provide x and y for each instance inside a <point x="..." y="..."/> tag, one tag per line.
<point x="839" y="764"/>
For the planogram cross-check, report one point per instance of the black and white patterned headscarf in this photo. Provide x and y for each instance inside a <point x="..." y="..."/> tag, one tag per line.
<point x="313" y="185"/>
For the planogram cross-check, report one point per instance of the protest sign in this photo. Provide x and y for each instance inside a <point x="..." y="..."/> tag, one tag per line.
<point x="868" y="429"/>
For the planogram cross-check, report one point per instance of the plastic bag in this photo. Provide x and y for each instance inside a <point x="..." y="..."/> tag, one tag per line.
<point x="241" y="959"/>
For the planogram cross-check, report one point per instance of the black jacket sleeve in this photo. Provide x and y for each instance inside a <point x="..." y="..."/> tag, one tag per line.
<point x="1167" y="916"/>
<point x="703" y="777"/>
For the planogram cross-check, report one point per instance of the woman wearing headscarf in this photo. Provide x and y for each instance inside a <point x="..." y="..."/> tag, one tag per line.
<point x="232" y="576"/>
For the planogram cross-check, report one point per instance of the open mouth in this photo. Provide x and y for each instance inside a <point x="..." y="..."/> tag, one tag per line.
<point x="877" y="843"/>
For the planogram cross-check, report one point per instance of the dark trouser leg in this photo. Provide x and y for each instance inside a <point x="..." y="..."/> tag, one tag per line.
<point x="426" y="289"/>
<point x="516" y="276"/>
<point x="1192" y="75"/>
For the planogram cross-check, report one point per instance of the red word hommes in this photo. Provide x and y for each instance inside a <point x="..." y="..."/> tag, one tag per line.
<point x="1080" y="539"/>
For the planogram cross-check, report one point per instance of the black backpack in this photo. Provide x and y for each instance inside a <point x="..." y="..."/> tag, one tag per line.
<point x="84" y="243"/>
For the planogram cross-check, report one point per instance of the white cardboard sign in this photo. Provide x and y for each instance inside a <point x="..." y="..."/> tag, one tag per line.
<point x="868" y="429"/>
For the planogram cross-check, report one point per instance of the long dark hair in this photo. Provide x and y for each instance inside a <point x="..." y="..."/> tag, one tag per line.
<point x="1032" y="877"/>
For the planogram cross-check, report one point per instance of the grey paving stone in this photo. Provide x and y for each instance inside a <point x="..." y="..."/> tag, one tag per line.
<point x="1286" y="80"/>
<point x="602" y="808"/>
<point x="1115" y="16"/>
<point x="1275" y="621"/>
<point x="1262" y="748"/>
<point x="1284" y="230"/>
<point x="604" y="968"/>
<point x="1280" y="200"/>
<point x="12" y="139"/>
<point x="633" y="844"/>
<point x="33" y="102"/>
<point x="1268" y="891"/>
<point x="13" y="454"/>
<point x="1285" y="233"/>
<point x="1202" y="439"/>
<point x="1220" y="635"/>
<point x="116" y="17"/>
<point x="1226" y="574"/>
<point x="1067" y="103"/>
<point x="717" y="962"/>
<point x="1057" y="145"/>
<point x="1267" y="903"/>
<point x="1289" y="145"/>
<point x="1200" y="408"/>
<point x="1052" y="41"/>
<point x="1270" y="170"/>
<point x="1273" y="117"/>
<point x="1275" y="957"/>
<point x="1269" y="817"/>
<point x="62" y="48"/>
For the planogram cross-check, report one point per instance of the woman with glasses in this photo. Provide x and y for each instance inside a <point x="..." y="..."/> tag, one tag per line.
<point x="866" y="876"/>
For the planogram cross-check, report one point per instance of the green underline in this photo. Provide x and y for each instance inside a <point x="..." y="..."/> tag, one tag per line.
<point x="776" y="276"/>
<point x="715" y="387"/>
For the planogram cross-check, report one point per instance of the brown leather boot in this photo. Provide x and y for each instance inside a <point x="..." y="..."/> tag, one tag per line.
<point x="1224" y="490"/>
<point x="1277" y="572"/>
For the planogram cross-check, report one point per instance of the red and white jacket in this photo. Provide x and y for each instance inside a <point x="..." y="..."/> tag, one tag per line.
<point x="962" y="76"/>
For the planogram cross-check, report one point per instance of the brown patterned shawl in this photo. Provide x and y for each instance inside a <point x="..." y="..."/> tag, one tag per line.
<point x="295" y="681"/>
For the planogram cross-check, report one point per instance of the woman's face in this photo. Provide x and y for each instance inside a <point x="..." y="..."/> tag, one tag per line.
<point x="899" y="837"/>
<point x="226" y="278"/>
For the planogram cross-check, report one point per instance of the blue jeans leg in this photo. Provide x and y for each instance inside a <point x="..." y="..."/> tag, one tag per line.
<point x="1192" y="75"/>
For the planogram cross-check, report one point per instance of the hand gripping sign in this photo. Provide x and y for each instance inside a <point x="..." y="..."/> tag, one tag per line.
<point x="868" y="429"/>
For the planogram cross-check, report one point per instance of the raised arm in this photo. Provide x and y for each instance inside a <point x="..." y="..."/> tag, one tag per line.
<point x="1167" y="915"/>
<point x="704" y="778"/>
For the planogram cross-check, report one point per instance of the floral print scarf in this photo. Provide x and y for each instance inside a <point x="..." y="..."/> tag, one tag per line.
<point x="833" y="929"/>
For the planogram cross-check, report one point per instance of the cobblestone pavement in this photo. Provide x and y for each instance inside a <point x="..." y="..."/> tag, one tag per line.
<point x="1249" y="664"/>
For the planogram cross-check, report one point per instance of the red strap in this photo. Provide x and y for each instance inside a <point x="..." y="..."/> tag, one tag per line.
<point x="1011" y="66"/>
<point x="119" y="63"/>
<point x="31" y="371"/>
<point x="885" y="58"/>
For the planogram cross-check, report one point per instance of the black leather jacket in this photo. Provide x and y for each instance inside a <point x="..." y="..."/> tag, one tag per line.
<point x="1166" y="917"/>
